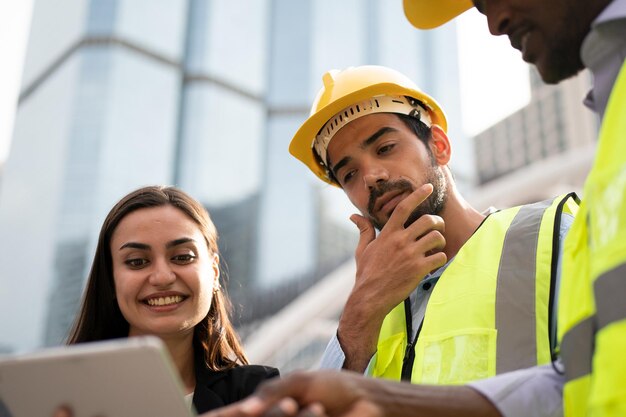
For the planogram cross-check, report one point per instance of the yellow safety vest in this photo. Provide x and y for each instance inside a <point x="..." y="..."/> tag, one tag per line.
<point x="592" y="304"/>
<point x="490" y="311"/>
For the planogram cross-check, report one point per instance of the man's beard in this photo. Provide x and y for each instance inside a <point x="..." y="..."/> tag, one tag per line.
<point x="564" y="61"/>
<point x="433" y="204"/>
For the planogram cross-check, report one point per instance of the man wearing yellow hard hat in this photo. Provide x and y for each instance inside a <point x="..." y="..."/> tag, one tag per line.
<point x="376" y="135"/>
<point x="559" y="37"/>
<point x="373" y="133"/>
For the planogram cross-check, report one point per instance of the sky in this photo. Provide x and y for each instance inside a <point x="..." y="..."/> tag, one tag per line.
<point x="14" y="25"/>
<point x="488" y="66"/>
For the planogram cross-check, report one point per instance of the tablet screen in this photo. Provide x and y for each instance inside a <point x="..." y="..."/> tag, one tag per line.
<point x="125" y="377"/>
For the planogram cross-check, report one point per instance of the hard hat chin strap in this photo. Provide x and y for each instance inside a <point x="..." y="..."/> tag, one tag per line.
<point x="378" y="104"/>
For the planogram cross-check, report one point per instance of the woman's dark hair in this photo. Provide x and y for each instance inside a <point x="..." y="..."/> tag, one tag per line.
<point x="100" y="317"/>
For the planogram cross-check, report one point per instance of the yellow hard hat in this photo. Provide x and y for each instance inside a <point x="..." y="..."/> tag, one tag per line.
<point x="346" y="90"/>
<point x="428" y="14"/>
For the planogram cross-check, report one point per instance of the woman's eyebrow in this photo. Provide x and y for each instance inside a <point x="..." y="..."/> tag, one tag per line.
<point x="143" y="246"/>
<point x="180" y="241"/>
<point x="134" y="245"/>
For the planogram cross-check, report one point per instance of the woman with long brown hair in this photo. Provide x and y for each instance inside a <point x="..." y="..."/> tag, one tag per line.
<point x="156" y="272"/>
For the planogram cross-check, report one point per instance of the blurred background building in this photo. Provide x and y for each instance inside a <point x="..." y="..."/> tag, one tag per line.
<point x="544" y="149"/>
<point x="206" y="95"/>
<point x="202" y="94"/>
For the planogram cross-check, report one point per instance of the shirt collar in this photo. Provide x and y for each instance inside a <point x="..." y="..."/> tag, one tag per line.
<point x="597" y="47"/>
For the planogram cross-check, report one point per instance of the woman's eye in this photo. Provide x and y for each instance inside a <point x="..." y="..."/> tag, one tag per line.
<point x="183" y="259"/>
<point x="136" y="262"/>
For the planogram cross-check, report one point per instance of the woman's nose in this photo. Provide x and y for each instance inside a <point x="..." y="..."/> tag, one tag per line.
<point x="162" y="274"/>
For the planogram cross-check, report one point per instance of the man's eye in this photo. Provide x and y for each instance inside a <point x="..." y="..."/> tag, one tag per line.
<point x="385" y="149"/>
<point x="349" y="175"/>
<point x="136" y="262"/>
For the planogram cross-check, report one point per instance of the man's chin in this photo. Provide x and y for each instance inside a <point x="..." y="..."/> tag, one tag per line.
<point x="378" y="224"/>
<point x="553" y="72"/>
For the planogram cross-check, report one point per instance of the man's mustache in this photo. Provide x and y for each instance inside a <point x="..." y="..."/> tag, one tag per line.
<point x="383" y="188"/>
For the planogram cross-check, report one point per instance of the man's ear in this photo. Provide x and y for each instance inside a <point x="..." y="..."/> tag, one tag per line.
<point x="440" y="145"/>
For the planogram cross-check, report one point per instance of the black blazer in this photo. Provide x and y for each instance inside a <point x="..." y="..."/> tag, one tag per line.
<point x="216" y="389"/>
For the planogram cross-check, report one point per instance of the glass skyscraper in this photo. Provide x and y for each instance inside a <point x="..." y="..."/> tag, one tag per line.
<point x="203" y="94"/>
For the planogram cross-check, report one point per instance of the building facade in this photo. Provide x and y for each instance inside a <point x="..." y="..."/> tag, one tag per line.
<point x="203" y="94"/>
<point x="543" y="149"/>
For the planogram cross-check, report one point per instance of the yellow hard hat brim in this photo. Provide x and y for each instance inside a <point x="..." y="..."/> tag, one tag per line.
<point x="300" y="146"/>
<point x="429" y="14"/>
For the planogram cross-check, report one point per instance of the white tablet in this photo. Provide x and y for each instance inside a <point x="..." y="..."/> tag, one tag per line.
<point x="131" y="377"/>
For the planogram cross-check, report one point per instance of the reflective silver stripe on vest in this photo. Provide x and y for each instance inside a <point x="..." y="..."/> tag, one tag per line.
<point x="577" y="349"/>
<point x="515" y="292"/>
<point x="609" y="291"/>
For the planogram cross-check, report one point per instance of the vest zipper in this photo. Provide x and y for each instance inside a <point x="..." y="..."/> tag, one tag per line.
<point x="409" y="353"/>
